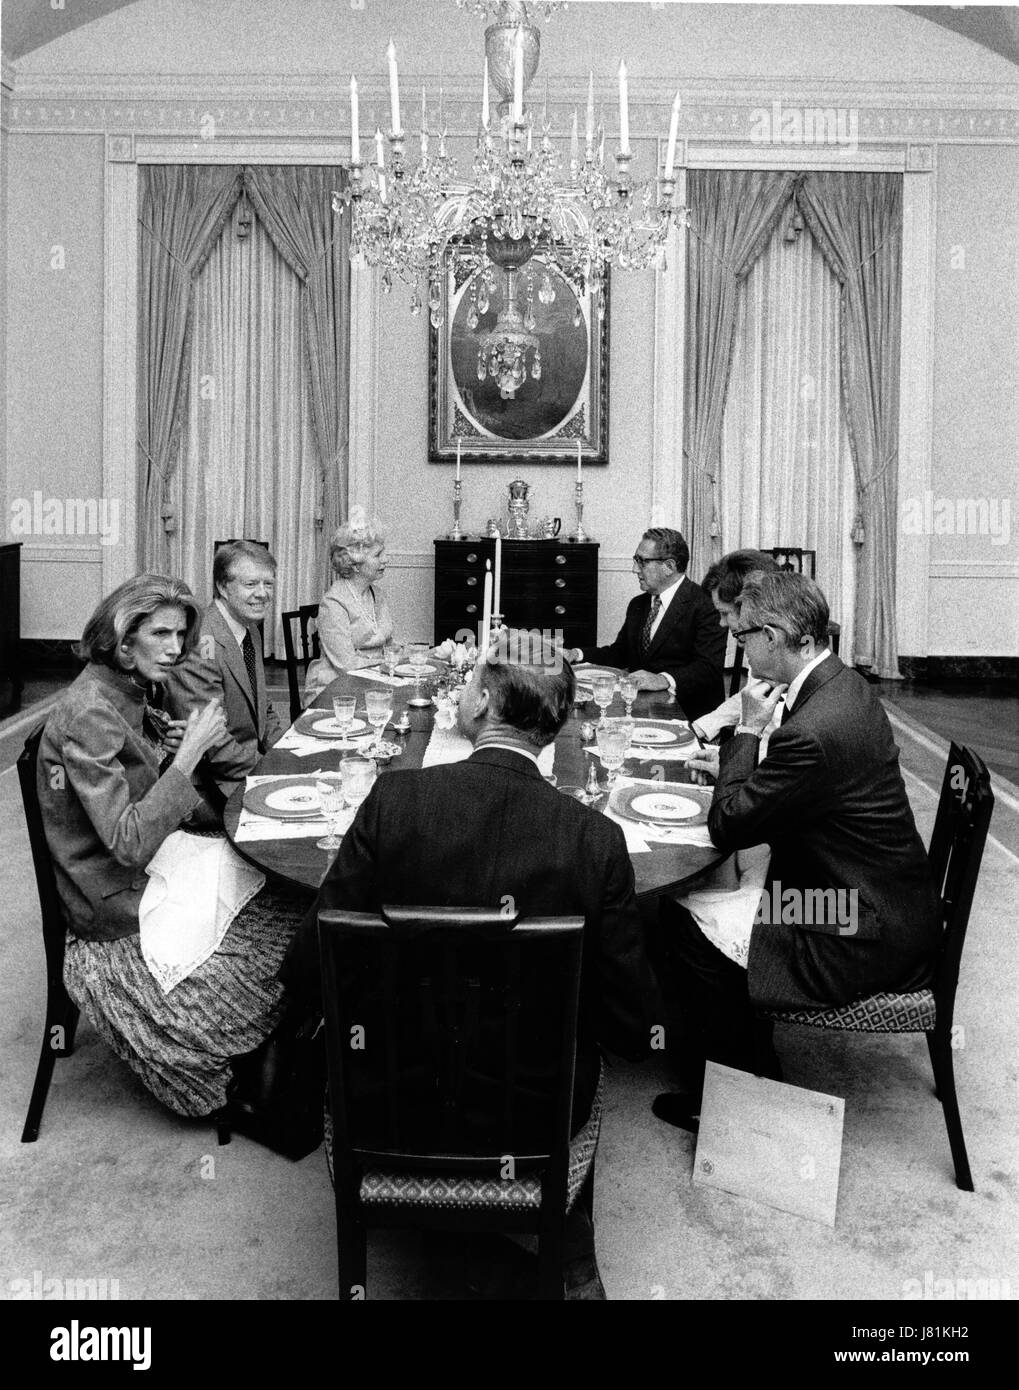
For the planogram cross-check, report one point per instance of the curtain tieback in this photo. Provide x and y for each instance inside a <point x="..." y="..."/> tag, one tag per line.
<point x="169" y="251"/>
<point x="859" y="532"/>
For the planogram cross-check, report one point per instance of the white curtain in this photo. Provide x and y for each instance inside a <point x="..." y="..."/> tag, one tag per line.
<point x="787" y="472"/>
<point x="249" y="465"/>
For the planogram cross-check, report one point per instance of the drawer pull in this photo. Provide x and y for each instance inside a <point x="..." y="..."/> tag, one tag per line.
<point x="560" y="559"/>
<point x="472" y="558"/>
<point x="560" y="583"/>
<point x="560" y="610"/>
<point x="472" y="581"/>
<point x="472" y="608"/>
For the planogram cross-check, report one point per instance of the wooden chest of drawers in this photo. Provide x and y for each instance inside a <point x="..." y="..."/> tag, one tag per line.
<point x="11" y="680"/>
<point x="549" y="585"/>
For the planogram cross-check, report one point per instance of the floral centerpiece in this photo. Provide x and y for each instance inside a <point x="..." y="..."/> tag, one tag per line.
<point x="461" y="658"/>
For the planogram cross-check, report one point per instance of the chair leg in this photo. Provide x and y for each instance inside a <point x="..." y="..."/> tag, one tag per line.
<point x="551" y="1253"/>
<point x="351" y="1257"/>
<point x="934" y="1061"/>
<point x="40" y="1090"/>
<point x="940" y="1045"/>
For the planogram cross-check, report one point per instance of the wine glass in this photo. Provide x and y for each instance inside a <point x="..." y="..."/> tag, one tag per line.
<point x="343" y="713"/>
<point x="391" y="656"/>
<point x="629" y="692"/>
<point x="604" y="688"/>
<point x="613" y="745"/>
<point x="358" y="776"/>
<point x="379" y="705"/>
<point x="418" y="654"/>
<point x="330" y="794"/>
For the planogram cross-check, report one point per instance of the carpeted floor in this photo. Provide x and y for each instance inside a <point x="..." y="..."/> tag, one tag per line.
<point x="117" y="1188"/>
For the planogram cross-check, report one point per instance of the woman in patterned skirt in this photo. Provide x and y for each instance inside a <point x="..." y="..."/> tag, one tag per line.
<point x="114" y="781"/>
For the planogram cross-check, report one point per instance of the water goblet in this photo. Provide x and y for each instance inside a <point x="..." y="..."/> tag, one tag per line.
<point x="629" y="692"/>
<point x="391" y="656"/>
<point x="604" y="688"/>
<point x="612" y="749"/>
<point x="358" y="776"/>
<point x="330" y="794"/>
<point x="343" y="713"/>
<point x="379" y="705"/>
<point x="418" y="654"/>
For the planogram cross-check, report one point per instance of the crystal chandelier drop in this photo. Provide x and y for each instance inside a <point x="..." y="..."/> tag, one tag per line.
<point x="524" y="199"/>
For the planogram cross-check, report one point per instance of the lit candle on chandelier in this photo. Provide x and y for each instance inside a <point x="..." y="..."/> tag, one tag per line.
<point x="424" y="124"/>
<point x="484" y="96"/>
<point x="394" y="90"/>
<point x="380" y="161"/>
<point x="589" y="128"/>
<point x="518" y="77"/>
<point x="670" y="153"/>
<point x="574" y="149"/>
<point x="624" y="112"/>
<point x="458" y="441"/>
<point x="355" y="125"/>
<point x="580" y="478"/>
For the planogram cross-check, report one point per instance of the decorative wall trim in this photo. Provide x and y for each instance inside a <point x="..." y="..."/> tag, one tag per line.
<point x="365" y="309"/>
<point x="120" y="347"/>
<point x="669" y="365"/>
<point x="916" y="400"/>
<point x="35" y="554"/>
<point x="976" y="569"/>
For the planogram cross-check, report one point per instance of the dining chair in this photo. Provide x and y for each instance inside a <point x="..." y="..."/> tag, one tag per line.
<point x="61" y="1011"/>
<point x="956" y="849"/>
<point x="304" y="617"/>
<point x="450" y="1040"/>
<point x="791" y="557"/>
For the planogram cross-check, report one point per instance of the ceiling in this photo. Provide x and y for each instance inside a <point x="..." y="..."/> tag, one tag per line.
<point x="28" y="24"/>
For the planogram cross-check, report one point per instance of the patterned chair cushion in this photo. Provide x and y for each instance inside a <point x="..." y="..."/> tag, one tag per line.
<point x="382" y="1188"/>
<point x="878" y="1013"/>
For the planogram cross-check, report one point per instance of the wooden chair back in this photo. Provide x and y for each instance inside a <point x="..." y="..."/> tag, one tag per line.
<point x="305" y="618"/>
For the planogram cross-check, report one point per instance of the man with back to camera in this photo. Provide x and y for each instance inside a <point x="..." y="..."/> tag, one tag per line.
<point x="670" y="638"/>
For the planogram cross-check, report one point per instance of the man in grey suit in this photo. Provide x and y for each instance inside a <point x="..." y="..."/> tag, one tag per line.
<point x="849" y="905"/>
<point x="226" y="665"/>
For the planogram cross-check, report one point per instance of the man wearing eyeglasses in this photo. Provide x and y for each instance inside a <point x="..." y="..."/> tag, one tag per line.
<point x="670" y="639"/>
<point x="848" y="906"/>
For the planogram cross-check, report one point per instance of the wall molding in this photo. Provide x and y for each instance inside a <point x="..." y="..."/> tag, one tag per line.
<point x="41" y="554"/>
<point x="976" y="569"/>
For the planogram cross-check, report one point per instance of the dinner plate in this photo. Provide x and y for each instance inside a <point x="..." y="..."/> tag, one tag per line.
<point x="322" y="724"/>
<point x="406" y="669"/>
<point x="285" y="798"/>
<point x="662" y="803"/>
<point x="658" y="733"/>
<point x="591" y="673"/>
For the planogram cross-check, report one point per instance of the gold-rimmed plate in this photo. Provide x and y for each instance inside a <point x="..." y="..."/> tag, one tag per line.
<point x="662" y="803"/>
<point x="319" y="723"/>
<point x="587" y="674"/>
<point x="659" y="733"/>
<point x="285" y="798"/>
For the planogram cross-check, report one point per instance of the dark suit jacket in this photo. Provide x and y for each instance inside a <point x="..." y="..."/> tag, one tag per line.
<point x="105" y="808"/>
<point x="466" y="835"/>
<point x="689" y="645"/>
<point x="216" y="670"/>
<point x="830" y="801"/>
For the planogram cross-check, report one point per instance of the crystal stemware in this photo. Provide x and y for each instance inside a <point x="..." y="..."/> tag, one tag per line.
<point x="358" y="776"/>
<point x="391" y="656"/>
<point x="418" y="654"/>
<point x="343" y="713"/>
<point x="379" y="705"/>
<point x="629" y="692"/>
<point x="604" y="688"/>
<point x="613" y="745"/>
<point x="330" y="794"/>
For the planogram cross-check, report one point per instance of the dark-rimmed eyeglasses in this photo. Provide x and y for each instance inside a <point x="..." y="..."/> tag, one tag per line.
<point x="642" y="560"/>
<point x="744" y="632"/>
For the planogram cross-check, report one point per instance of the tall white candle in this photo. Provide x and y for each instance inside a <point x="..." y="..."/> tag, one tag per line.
<point x="580" y="478"/>
<point x="518" y="77"/>
<point x="498" y="574"/>
<point x="380" y="160"/>
<point x="486" y="613"/>
<point x="574" y="146"/>
<point x="394" y="89"/>
<point x="458" y="459"/>
<point x="484" y="96"/>
<point x="624" y="112"/>
<point x="589" y="129"/>
<point x="670" y="153"/>
<point x="424" y="124"/>
<point x="355" y="124"/>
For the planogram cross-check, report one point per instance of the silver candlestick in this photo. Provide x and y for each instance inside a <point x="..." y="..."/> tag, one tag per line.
<point x="458" y="488"/>
<point x="578" y="493"/>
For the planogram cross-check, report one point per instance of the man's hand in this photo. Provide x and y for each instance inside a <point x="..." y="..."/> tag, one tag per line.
<point x="649" y="680"/>
<point x="571" y="654"/>
<point x="757" y="710"/>
<point x="705" y="766"/>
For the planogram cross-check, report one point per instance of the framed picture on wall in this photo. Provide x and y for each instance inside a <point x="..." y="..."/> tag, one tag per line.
<point x="518" y="368"/>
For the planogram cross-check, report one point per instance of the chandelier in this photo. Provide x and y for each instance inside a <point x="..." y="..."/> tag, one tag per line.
<point x="524" y="199"/>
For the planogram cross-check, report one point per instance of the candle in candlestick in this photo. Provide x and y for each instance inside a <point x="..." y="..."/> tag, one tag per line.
<point x="574" y="144"/>
<point x="424" y="124"/>
<point x="458" y="459"/>
<point x="497" y="601"/>
<point x="355" y="124"/>
<point x="484" y="96"/>
<point x="518" y="77"/>
<point x="579" y="475"/>
<point x="589" y="129"/>
<point x="670" y="154"/>
<point x="486" y="613"/>
<point x="380" y="160"/>
<point x="394" y="89"/>
<point x="624" y="112"/>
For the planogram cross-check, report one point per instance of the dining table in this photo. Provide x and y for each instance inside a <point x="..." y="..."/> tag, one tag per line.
<point x="659" y="869"/>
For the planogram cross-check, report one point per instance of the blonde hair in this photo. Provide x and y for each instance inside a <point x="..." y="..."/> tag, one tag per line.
<point x="352" y="543"/>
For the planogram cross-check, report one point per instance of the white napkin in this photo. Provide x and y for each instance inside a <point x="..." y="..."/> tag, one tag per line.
<point x="197" y="886"/>
<point x="450" y="746"/>
<point x="649" y="754"/>
<point x="372" y="673"/>
<point x="304" y="745"/>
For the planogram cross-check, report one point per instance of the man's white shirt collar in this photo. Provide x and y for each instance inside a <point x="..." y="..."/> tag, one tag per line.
<point x="667" y="595"/>
<point x="510" y="748"/>
<point x="238" y="629"/>
<point x="796" y="685"/>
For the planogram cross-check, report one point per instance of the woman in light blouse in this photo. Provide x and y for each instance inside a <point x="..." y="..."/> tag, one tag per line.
<point x="354" y="622"/>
